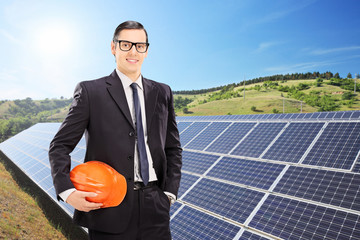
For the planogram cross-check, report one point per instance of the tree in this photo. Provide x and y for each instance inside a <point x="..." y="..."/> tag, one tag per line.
<point x="349" y="75"/>
<point x="337" y="75"/>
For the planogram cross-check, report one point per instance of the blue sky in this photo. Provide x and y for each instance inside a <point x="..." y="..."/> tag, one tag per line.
<point x="47" y="47"/>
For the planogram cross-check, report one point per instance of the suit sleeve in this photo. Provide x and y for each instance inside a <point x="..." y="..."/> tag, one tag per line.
<point x="66" y="139"/>
<point x="173" y="151"/>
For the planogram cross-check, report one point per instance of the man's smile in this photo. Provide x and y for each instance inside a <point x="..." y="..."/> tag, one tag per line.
<point x="132" y="60"/>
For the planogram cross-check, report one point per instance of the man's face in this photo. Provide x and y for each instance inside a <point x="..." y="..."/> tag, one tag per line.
<point x="129" y="62"/>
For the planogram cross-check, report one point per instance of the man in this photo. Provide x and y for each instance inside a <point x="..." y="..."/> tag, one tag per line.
<point x="129" y="124"/>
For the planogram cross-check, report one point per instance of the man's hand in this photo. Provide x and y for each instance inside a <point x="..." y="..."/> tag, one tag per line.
<point x="78" y="201"/>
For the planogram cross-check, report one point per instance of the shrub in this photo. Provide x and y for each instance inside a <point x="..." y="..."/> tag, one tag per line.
<point x="275" y="110"/>
<point x="347" y="96"/>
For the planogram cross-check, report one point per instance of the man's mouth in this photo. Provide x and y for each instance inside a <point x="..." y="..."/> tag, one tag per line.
<point x="132" y="60"/>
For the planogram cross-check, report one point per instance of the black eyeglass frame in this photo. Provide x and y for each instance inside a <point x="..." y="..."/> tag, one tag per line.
<point x="132" y="44"/>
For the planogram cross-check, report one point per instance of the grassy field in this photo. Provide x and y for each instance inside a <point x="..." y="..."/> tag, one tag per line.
<point x="264" y="101"/>
<point x="20" y="216"/>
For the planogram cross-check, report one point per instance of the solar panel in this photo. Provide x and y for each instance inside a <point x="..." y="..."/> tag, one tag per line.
<point x="197" y="162"/>
<point x="337" y="147"/>
<point x="246" y="172"/>
<point x="266" y="176"/>
<point x="293" y="219"/>
<point x="207" y="136"/>
<point x="293" y="142"/>
<point x="336" y="188"/>
<point x="239" y="201"/>
<point x="228" y="139"/>
<point x="258" y="140"/>
<point x="192" y="131"/>
<point x="190" y="223"/>
<point x="187" y="180"/>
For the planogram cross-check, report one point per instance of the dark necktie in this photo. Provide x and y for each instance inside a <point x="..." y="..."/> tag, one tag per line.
<point x="143" y="160"/>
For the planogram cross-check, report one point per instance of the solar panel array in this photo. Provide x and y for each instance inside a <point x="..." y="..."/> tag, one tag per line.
<point x="268" y="176"/>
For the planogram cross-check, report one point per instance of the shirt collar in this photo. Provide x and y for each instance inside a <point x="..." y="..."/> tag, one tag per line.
<point x="126" y="81"/>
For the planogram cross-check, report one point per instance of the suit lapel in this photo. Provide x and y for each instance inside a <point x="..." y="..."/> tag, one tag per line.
<point x="116" y="91"/>
<point x="150" y="96"/>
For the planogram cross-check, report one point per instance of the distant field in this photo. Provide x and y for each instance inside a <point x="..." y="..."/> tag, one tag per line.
<point x="264" y="101"/>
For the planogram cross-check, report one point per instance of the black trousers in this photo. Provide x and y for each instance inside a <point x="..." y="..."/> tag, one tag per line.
<point x="150" y="219"/>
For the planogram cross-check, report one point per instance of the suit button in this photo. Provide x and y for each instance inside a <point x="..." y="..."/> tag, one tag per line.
<point x="130" y="158"/>
<point x="131" y="134"/>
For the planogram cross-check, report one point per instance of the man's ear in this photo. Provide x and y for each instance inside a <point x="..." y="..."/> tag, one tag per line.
<point x="113" y="48"/>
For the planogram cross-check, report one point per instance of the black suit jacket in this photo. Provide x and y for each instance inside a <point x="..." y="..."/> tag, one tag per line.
<point x="100" y="110"/>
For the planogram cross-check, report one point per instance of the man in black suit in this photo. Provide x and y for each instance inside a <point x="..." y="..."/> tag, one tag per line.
<point x="109" y="111"/>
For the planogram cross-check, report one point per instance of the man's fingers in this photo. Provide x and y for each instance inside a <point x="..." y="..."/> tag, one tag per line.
<point x="93" y="205"/>
<point x="87" y="194"/>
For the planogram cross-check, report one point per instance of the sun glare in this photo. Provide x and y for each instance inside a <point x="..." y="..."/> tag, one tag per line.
<point x="54" y="40"/>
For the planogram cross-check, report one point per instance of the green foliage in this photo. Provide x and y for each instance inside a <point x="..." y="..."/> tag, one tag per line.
<point x="347" y="96"/>
<point x="226" y="92"/>
<point x="12" y="126"/>
<point x="22" y="114"/>
<point x="181" y="102"/>
<point x="275" y="110"/>
<point x="302" y="86"/>
<point x="318" y="82"/>
<point x="270" y="84"/>
<point x="314" y="99"/>
<point x="282" y="88"/>
<point x="257" y="87"/>
<point x="347" y="84"/>
<point x="326" y="103"/>
<point x="349" y="75"/>
<point x="25" y="107"/>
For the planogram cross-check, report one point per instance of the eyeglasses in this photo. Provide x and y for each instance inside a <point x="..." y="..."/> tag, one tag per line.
<point x="126" y="46"/>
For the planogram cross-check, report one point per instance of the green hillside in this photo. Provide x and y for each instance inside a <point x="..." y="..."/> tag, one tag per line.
<point x="18" y="115"/>
<point x="266" y="97"/>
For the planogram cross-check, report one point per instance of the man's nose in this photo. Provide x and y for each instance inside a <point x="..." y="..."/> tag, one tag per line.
<point x="133" y="49"/>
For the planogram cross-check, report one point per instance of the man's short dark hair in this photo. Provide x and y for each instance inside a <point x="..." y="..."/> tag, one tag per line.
<point x="129" y="25"/>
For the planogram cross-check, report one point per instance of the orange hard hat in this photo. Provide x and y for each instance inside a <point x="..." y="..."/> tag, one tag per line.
<point x="100" y="178"/>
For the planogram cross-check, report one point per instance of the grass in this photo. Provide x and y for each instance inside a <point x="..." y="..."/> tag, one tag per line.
<point x="264" y="101"/>
<point x="20" y="216"/>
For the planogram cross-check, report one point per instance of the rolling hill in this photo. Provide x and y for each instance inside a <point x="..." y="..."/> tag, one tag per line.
<point x="265" y="98"/>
